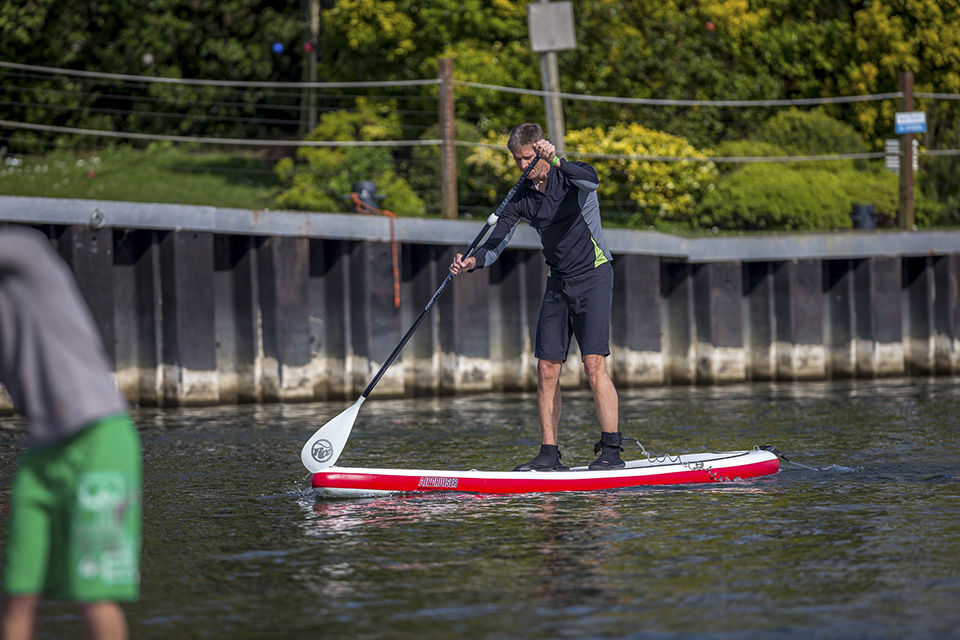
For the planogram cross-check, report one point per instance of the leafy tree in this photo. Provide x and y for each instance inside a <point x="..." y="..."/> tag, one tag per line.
<point x="669" y="50"/>
<point x="510" y="65"/>
<point x="400" y="39"/>
<point x="198" y="39"/>
<point x="889" y="37"/>
<point x="403" y="39"/>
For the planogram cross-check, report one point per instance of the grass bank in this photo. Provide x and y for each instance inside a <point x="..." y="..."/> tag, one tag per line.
<point x="160" y="173"/>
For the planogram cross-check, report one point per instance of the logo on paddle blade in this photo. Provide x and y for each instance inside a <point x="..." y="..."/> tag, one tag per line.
<point x="322" y="450"/>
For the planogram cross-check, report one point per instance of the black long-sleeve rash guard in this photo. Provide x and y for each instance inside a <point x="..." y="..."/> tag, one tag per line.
<point x="566" y="215"/>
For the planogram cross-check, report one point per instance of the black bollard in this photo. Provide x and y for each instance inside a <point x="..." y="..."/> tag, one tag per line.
<point x="864" y="216"/>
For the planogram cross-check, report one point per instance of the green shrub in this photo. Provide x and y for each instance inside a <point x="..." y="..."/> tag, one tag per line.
<point x="743" y="149"/>
<point x="810" y="133"/>
<point x="324" y="178"/>
<point x="932" y="214"/>
<point x="778" y="197"/>
<point x="747" y="149"/>
<point x="800" y="196"/>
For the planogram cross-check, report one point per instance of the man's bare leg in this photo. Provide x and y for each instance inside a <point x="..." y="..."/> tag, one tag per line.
<point x="105" y="621"/>
<point x="605" y="398"/>
<point x="605" y="401"/>
<point x="548" y="408"/>
<point x="19" y="616"/>
<point x="548" y="399"/>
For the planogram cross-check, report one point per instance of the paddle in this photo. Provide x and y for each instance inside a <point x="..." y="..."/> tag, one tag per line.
<point x="325" y="446"/>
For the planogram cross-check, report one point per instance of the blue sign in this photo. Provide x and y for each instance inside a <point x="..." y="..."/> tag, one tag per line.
<point x="911" y="122"/>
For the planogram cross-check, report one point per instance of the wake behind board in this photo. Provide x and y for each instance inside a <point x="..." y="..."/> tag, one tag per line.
<point x="347" y="482"/>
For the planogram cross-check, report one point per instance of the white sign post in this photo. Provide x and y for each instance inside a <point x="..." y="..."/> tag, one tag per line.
<point x="891" y="160"/>
<point x="551" y="30"/>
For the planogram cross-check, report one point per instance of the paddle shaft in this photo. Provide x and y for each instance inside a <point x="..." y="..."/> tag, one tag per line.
<point x="492" y="220"/>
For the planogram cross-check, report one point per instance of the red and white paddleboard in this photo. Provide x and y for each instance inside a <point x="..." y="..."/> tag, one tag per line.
<point x="725" y="466"/>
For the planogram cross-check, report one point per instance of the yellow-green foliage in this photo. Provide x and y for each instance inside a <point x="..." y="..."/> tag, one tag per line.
<point x="491" y="168"/>
<point x="888" y="37"/>
<point x="640" y="192"/>
<point x="633" y="192"/>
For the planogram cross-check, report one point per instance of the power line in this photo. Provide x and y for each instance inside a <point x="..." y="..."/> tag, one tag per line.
<point x="135" y="82"/>
<point x="688" y="103"/>
<point x="459" y="143"/>
<point x="937" y="96"/>
<point x="218" y="83"/>
<point x="476" y="85"/>
<point x="202" y="117"/>
<point x="225" y="141"/>
<point x="158" y="100"/>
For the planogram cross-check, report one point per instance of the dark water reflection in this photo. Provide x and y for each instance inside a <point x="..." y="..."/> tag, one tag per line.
<point x="865" y="544"/>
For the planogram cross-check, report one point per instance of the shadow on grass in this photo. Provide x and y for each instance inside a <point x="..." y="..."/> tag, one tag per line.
<point x="234" y="169"/>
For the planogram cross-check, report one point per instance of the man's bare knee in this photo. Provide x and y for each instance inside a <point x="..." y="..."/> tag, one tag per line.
<point x="105" y="620"/>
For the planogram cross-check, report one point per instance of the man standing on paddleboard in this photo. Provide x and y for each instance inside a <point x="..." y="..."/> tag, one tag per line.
<point x="73" y="529"/>
<point x="560" y="202"/>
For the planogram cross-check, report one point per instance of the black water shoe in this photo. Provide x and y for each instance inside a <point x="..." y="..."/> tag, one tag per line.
<point x="609" y="448"/>
<point x="547" y="460"/>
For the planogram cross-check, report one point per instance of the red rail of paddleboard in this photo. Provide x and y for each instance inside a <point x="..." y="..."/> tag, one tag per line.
<point x="411" y="480"/>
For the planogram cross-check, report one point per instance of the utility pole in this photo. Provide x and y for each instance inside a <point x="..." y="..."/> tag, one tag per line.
<point x="551" y="30"/>
<point x="448" y="149"/>
<point x="906" y="217"/>
<point x="308" y="102"/>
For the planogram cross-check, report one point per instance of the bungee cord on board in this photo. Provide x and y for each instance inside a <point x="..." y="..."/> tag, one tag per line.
<point x="699" y="466"/>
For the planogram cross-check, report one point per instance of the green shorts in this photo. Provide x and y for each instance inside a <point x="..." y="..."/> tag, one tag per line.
<point x="74" y="528"/>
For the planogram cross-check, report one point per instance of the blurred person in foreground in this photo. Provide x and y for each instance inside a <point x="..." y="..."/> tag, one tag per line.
<point x="74" y="510"/>
<point x="560" y="202"/>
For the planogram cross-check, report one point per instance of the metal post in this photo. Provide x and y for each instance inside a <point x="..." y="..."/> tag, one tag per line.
<point x="448" y="149"/>
<point x="906" y="217"/>
<point x="550" y="79"/>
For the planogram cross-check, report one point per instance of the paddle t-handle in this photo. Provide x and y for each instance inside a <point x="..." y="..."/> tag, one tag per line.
<point x="323" y="449"/>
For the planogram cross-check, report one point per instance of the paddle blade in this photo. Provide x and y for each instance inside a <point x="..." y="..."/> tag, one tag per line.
<point x="325" y="446"/>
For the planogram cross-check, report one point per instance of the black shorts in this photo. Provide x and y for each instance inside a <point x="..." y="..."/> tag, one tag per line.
<point x="576" y="306"/>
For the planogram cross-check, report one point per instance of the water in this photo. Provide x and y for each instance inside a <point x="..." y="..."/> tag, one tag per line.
<point x="861" y="542"/>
